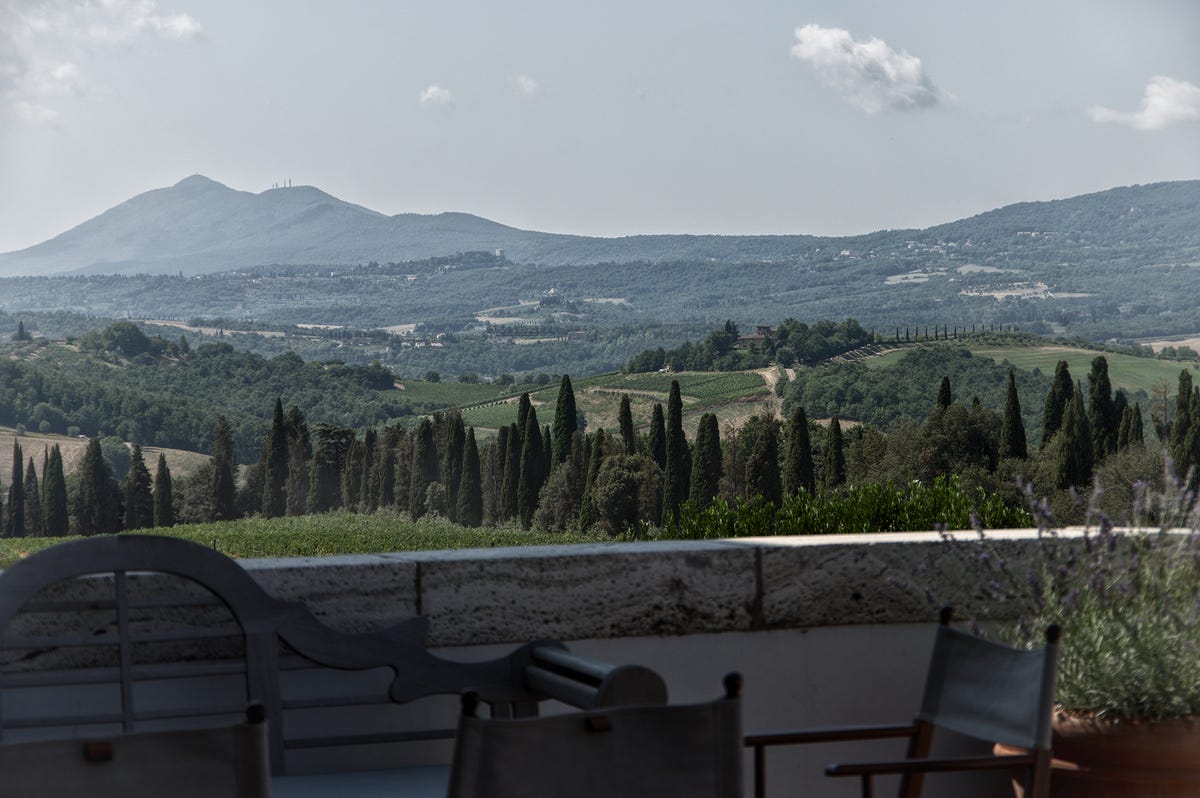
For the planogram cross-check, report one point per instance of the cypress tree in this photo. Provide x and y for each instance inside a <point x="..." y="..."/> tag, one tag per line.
<point x="658" y="436"/>
<point x="368" y="491"/>
<point x="493" y="488"/>
<point x="523" y="407"/>
<point x="55" y="517"/>
<point x="512" y="471"/>
<point x="1182" y="424"/>
<point x="299" y="463"/>
<point x="386" y="456"/>
<point x="1012" y="432"/>
<point x="424" y="470"/>
<point x="470" y="490"/>
<point x="706" y="462"/>
<point x="833" y="471"/>
<point x="532" y="469"/>
<point x="1075" y="462"/>
<point x="547" y="453"/>
<point x="33" y="502"/>
<point x="139" y="501"/>
<point x="1101" y="410"/>
<point x="14" y="526"/>
<point x="799" y="470"/>
<point x="625" y="420"/>
<point x="164" y="500"/>
<point x="452" y="461"/>
<point x="944" y="397"/>
<point x="274" y="503"/>
<point x="1136" y="433"/>
<point x="587" y="508"/>
<point x="224" y="490"/>
<point x="675" y="475"/>
<point x="1061" y="391"/>
<point x="566" y="421"/>
<point x="352" y="476"/>
<point x="95" y="498"/>
<point x="762" y="467"/>
<point x="325" y="470"/>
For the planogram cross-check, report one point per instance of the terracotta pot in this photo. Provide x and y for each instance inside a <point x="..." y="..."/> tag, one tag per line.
<point x="1126" y="758"/>
<point x="1106" y="758"/>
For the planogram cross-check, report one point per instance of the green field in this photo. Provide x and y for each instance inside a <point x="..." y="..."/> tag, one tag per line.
<point x="734" y="395"/>
<point x="1134" y="374"/>
<point x="328" y="535"/>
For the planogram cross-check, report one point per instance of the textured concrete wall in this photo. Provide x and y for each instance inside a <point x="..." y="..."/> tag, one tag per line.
<point x="512" y="595"/>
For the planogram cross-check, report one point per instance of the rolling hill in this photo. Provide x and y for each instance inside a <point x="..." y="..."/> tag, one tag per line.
<point x="200" y="226"/>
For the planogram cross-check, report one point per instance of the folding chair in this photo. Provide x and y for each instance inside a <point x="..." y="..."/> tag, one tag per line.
<point x="215" y="762"/>
<point x="684" y="751"/>
<point x="974" y="687"/>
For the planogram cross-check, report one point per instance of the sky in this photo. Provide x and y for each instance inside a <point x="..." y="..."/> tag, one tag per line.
<point x="829" y="117"/>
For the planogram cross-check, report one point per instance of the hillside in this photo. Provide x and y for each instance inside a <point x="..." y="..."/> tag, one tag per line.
<point x="199" y="225"/>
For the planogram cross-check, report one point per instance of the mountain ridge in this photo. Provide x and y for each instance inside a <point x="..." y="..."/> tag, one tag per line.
<point x="199" y="225"/>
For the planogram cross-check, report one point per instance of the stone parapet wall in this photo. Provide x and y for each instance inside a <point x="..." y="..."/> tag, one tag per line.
<point x="512" y="595"/>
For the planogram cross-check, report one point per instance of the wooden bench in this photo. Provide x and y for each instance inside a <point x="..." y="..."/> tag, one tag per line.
<point x="131" y="633"/>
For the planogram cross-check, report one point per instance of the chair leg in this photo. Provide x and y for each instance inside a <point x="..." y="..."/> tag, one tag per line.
<point x="760" y="771"/>
<point x="868" y="787"/>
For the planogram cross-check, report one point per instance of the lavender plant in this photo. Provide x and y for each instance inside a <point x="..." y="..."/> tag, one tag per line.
<point x="1127" y="599"/>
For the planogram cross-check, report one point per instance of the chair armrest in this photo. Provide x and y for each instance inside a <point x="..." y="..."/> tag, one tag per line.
<point x="931" y="765"/>
<point x="831" y="734"/>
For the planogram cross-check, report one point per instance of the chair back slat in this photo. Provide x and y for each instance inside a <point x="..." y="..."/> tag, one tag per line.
<point x="990" y="691"/>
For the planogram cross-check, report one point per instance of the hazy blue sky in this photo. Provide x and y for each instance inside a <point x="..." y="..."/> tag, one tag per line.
<point x="609" y="118"/>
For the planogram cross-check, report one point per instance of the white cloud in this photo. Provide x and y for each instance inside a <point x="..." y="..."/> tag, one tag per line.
<point x="870" y="74"/>
<point x="435" y="95"/>
<point x="34" y="34"/>
<point x="32" y="112"/>
<point x="1165" y="101"/>
<point x="528" y="85"/>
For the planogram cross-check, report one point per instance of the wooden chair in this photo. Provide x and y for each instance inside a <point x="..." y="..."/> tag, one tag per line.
<point x="684" y="751"/>
<point x="974" y="687"/>
<point x="213" y="762"/>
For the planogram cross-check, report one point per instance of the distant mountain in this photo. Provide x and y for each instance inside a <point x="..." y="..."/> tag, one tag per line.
<point x="199" y="226"/>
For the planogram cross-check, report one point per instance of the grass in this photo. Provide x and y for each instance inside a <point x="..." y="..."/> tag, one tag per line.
<point x="328" y="535"/>
<point x="1134" y="374"/>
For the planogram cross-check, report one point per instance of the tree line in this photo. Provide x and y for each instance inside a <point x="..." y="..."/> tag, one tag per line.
<point x="559" y="475"/>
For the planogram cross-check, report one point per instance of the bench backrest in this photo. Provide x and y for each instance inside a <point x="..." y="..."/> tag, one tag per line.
<point x="136" y="633"/>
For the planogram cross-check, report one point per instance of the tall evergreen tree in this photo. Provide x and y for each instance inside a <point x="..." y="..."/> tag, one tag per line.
<point x="55" y="515"/>
<point x="762" y="467"/>
<point x="566" y="421"/>
<point x="1181" y="425"/>
<point x="1061" y="391"/>
<point x="352" y="476"/>
<point x="452" y="461"/>
<point x="139" y="500"/>
<point x="799" y="469"/>
<point x="944" y="397"/>
<point x="274" y="502"/>
<point x="386" y="456"/>
<point x="328" y="462"/>
<point x="625" y="420"/>
<point x="1136" y="432"/>
<point x="33" y="502"/>
<point x="658" y="436"/>
<point x="1075" y="457"/>
<point x="224" y="488"/>
<point x="833" y="462"/>
<point x="532" y="470"/>
<point x="14" y="525"/>
<point x="706" y="462"/>
<point x="587" y="514"/>
<point x="164" y="499"/>
<point x="512" y="471"/>
<point x="493" y="461"/>
<point x="1012" y="431"/>
<point x="675" y="474"/>
<point x="1101" y="410"/>
<point x="95" y="502"/>
<point x="523" y="406"/>
<point x="369" y="479"/>
<point x="424" y="470"/>
<point x="299" y="469"/>
<point x="470" y="489"/>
